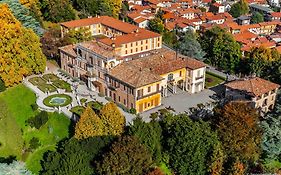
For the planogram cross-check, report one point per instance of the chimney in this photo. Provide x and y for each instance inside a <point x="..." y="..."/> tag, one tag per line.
<point x="137" y="31"/>
<point x="89" y="16"/>
<point x="113" y="45"/>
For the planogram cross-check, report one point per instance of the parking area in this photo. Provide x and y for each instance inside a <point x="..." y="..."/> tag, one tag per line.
<point x="182" y="102"/>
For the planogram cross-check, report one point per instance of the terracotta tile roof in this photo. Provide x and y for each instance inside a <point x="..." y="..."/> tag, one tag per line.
<point x="104" y="20"/>
<point x="147" y="70"/>
<point x="139" y="35"/>
<point x="100" y="49"/>
<point x="253" y="86"/>
<point x="244" y="36"/>
<point x="276" y="14"/>
<point x="69" y="49"/>
<point x="134" y="76"/>
<point x="140" y="20"/>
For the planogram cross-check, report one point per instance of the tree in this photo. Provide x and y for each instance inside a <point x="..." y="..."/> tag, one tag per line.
<point x="271" y="140"/>
<point x="39" y="120"/>
<point x="237" y="125"/>
<point x="73" y="156"/>
<point x="170" y="38"/>
<point x="149" y="134"/>
<point x="89" y="125"/>
<point x="257" y="60"/>
<point x="188" y="144"/>
<point x="257" y="18"/>
<point x="156" y="25"/>
<point x="15" y="167"/>
<point x="221" y="49"/>
<point x="189" y="46"/>
<point x="126" y="156"/>
<point x="57" y="10"/>
<point x="2" y="85"/>
<point x="77" y="36"/>
<point x="113" y="120"/>
<point x="86" y="7"/>
<point x="20" y="52"/>
<point x="23" y="14"/>
<point x="217" y="160"/>
<point x="156" y="171"/>
<point x="239" y="8"/>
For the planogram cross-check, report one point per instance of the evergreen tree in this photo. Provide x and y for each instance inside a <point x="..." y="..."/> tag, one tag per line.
<point x="23" y="14"/>
<point x="15" y="167"/>
<point x="20" y="52"/>
<point x="189" y="46"/>
<point x="113" y="119"/>
<point x="126" y="156"/>
<point x="271" y="140"/>
<point x="89" y="125"/>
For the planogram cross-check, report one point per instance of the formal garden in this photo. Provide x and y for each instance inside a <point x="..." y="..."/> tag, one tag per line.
<point x="212" y="80"/>
<point x="33" y="132"/>
<point x="50" y="83"/>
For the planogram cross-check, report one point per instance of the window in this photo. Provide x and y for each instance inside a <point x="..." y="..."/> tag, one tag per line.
<point x="125" y="45"/>
<point x="131" y="50"/>
<point x="149" y="89"/>
<point x="141" y="48"/>
<point x="136" y="43"/>
<point x="157" y="87"/>
<point x="131" y="44"/>
<point x="136" y="49"/>
<point x="180" y="73"/>
<point x="141" y="42"/>
<point x="170" y="77"/>
<point x="119" y="98"/>
<point x="146" y="47"/>
<point x="146" y="41"/>
<point x="99" y="63"/>
<point x="126" y="52"/>
<point x="80" y="52"/>
<point x="124" y="102"/>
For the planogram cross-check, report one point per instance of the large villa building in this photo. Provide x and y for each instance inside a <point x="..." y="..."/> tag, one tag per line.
<point x="129" y="63"/>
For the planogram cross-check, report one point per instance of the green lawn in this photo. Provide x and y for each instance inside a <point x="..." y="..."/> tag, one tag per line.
<point x="212" y="80"/>
<point x="19" y="100"/>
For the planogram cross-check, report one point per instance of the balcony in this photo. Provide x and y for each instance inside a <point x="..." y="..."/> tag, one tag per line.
<point x="198" y="78"/>
<point x="150" y="94"/>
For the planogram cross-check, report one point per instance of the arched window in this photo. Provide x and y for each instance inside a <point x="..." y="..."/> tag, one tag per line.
<point x="80" y="52"/>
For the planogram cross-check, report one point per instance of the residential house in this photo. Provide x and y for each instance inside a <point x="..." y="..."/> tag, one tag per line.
<point x="260" y="93"/>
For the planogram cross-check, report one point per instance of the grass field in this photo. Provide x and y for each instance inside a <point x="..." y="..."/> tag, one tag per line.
<point x="212" y="80"/>
<point x="19" y="100"/>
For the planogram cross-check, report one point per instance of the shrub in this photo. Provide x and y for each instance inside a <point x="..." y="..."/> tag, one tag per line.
<point x="209" y="80"/>
<point x="108" y="98"/>
<point x="124" y="108"/>
<point x="34" y="143"/>
<point x="96" y="105"/>
<point x="101" y="94"/>
<point x="34" y="106"/>
<point x="2" y="85"/>
<point x="133" y="111"/>
<point x="83" y="100"/>
<point x="39" y="120"/>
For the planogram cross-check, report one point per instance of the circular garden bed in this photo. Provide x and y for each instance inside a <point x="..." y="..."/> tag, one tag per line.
<point x="57" y="100"/>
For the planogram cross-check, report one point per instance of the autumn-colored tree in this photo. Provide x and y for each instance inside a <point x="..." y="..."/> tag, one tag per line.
<point x="238" y="168"/>
<point x="77" y="36"/>
<point x="239" y="131"/>
<point x="89" y="125"/>
<point x="113" y="119"/>
<point x="217" y="160"/>
<point x="126" y="156"/>
<point x="20" y="52"/>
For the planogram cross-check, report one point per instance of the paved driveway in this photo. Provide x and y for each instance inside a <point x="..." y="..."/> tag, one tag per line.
<point x="181" y="102"/>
